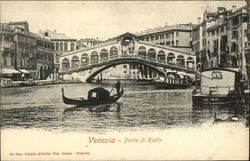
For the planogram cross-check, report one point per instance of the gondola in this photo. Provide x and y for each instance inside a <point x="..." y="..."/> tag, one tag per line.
<point x="96" y="96"/>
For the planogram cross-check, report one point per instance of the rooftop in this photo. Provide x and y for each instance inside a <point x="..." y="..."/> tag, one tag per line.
<point x="166" y="28"/>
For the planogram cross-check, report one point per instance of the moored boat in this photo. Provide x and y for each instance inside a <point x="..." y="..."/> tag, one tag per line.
<point x="173" y="81"/>
<point x="96" y="96"/>
<point x="218" y="87"/>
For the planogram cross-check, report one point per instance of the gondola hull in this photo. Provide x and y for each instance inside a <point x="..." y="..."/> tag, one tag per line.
<point x="92" y="102"/>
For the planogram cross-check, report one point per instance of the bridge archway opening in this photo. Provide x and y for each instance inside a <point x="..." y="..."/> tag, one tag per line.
<point x="104" y="54"/>
<point x="61" y="46"/>
<point x="142" y="52"/>
<point x="75" y="61"/>
<point x="65" y="46"/>
<point x="170" y="58"/>
<point x="57" y="46"/>
<point x="161" y="55"/>
<point x="113" y="52"/>
<point x="72" y="46"/>
<point x="190" y="62"/>
<point x="65" y="64"/>
<point x="84" y="59"/>
<point x="94" y="57"/>
<point x="180" y="61"/>
<point x="152" y="53"/>
<point x="128" y="44"/>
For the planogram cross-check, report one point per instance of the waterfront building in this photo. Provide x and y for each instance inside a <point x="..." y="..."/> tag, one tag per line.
<point x="219" y="40"/>
<point x="61" y="43"/>
<point x="247" y="48"/>
<point x="23" y="53"/>
<point x="177" y="36"/>
<point x="45" y="58"/>
<point x="7" y="58"/>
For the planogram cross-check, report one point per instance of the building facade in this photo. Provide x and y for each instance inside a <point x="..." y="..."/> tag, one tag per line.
<point x="61" y="44"/>
<point x="219" y="40"/>
<point x="21" y="52"/>
<point x="178" y="36"/>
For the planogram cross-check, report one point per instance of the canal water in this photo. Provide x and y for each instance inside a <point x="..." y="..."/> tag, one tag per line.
<point x="35" y="120"/>
<point x="142" y="107"/>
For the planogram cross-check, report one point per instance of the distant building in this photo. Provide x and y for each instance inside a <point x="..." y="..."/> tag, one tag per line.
<point x="87" y="42"/>
<point x="178" y="36"/>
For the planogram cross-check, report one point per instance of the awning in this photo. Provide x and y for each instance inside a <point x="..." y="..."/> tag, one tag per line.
<point x="9" y="71"/>
<point x="24" y="71"/>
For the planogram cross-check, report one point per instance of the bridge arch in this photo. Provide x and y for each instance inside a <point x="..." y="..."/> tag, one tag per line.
<point x="57" y="46"/>
<point x="65" y="46"/>
<point x="170" y="58"/>
<point x="72" y="46"/>
<point x="152" y="53"/>
<point x="104" y="54"/>
<point x="113" y="52"/>
<point x="75" y="61"/>
<point x="84" y="59"/>
<point x="142" y="52"/>
<point x="122" y="61"/>
<point x="180" y="61"/>
<point x="161" y="55"/>
<point x="190" y="62"/>
<point x="65" y="64"/>
<point x="94" y="58"/>
<point x="61" y="46"/>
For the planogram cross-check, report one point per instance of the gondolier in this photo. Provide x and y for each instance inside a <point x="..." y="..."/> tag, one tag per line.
<point x="118" y="86"/>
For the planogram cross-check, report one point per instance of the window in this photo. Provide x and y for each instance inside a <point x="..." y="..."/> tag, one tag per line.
<point x="147" y="38"/>
<point x="176" y="33"/>
<point x="245" y="33"/>
<point x="152" y="38"/>
<point x="176" y="42"/>
<point x="162" y="37"/>
<point x="216" y="75"/>
<point x="167" y="35"/>
<point x="46" y="34"/>
<point x="156" y="37"/>
<point x="235" y="35"/>
<point x="244" y="19"/>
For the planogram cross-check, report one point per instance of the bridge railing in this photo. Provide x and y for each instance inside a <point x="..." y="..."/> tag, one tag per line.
<point x="147" y="58"/>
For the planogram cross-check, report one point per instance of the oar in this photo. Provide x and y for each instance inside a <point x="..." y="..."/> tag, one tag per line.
<point x="112" y="89"/>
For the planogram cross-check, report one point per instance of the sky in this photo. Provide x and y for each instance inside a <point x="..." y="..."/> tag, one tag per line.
<point x="106" y="19"/>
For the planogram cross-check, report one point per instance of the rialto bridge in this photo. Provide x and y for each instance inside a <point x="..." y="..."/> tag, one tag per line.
<point x="126" y="49"/>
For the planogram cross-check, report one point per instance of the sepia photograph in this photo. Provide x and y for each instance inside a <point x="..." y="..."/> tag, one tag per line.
<point x="124" y="80"/>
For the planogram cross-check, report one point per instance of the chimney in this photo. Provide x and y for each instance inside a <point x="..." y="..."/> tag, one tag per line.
<point x="199" y="20"/>
<point x="233" y="8"/>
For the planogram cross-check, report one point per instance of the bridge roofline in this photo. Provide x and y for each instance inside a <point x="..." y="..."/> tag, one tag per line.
<point x="168" y="48"/>
<point x="91" y="47"/>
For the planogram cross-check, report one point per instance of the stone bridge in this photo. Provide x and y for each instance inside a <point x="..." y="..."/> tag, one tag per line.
<point x="126" y="49"/>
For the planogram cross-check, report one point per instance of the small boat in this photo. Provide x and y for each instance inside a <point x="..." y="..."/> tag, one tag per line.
<point x="96" y="96"/>
<point x="173" y="81"/>
<point x="218" y="87"/>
